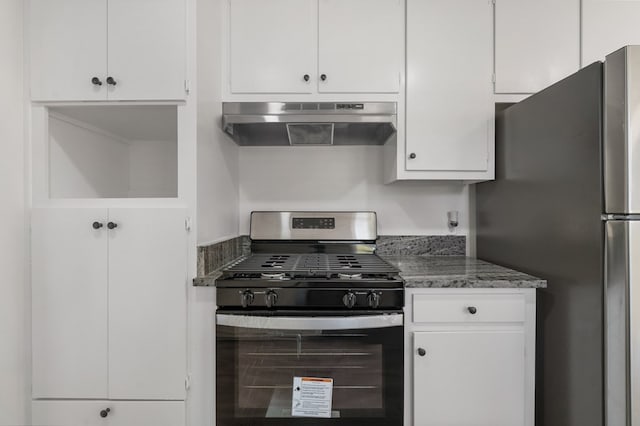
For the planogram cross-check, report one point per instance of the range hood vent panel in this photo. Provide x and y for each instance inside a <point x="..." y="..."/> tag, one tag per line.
<point x="309" y="123"/>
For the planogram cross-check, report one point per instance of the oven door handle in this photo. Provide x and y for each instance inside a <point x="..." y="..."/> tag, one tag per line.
<point x="311" y="323"/>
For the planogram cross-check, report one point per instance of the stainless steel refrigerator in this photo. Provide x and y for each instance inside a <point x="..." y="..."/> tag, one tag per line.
<point x="565" y="206"/>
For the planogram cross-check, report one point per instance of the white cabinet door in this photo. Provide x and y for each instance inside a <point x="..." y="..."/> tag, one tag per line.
<point x="469" y="378"/>
<point x="69" y="413"/>
<point x="450" y="108"/>
<point x="69" y="303"/>
<point x="608" y="25"/>
<point x="67" y="49"/>
<point x="147" y="304"/>
<point x="273" y="46"/>
<point x="361" y="45"/>
<point x="146" y="49"/>
<point x="537" y="43"/>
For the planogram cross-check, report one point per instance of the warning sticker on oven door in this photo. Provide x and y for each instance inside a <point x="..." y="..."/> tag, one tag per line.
<point x="311" y="397"/>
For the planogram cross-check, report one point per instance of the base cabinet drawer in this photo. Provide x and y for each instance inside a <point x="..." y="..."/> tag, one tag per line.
<point x="108" y="413"/>
<point x="468" y="308"/>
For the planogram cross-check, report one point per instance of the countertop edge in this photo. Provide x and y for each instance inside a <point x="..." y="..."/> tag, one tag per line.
<point x="209" y="280"/>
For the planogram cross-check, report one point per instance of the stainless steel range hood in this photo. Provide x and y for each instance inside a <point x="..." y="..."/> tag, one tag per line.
<point x="309" y="123"/>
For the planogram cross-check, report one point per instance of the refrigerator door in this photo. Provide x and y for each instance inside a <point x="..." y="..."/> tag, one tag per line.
<point x="542" y="215"/>
<point x="622" y="323"/>
<point x="621" y="150"/>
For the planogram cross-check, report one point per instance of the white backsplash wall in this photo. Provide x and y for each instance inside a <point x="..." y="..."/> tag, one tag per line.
<point x="346" y="178"/>
<point x="14" y="305"/>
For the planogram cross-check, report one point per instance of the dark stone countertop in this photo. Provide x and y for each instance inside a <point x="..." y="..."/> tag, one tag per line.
<point x="459" y="272"/>
<point x="440" y="272"/>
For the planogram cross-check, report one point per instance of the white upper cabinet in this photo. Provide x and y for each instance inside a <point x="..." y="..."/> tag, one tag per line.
<point x="146" y="49"/>
<point x="450" y="107"/>
<point x="271" y="46"/>
<point x="107" y="50"/>
<point x="68" y="39"/>
<point x="608" y="25"/>
<point x="360" y="45"/>
<point x="537" y="43"/>
<point x="315" y="46"/>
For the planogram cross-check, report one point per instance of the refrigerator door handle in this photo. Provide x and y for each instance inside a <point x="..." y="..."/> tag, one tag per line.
<point x="622" y="310"/>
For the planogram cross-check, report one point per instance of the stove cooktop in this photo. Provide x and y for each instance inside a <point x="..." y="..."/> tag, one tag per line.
<point x="282" y="265"/>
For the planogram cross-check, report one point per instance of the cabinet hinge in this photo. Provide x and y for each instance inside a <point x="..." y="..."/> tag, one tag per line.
<point x="187" y="224"/>
<point x="493" y="78"/>
<point x="187" y="382"/>
<point x="187" y="86"/>
<point x="493" y="2"/>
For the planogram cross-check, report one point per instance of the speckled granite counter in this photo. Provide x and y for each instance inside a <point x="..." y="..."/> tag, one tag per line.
<point x="424" y="261"/>
<point x="459" y="272"/>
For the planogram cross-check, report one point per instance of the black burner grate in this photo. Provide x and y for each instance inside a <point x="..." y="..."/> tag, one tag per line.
<point x="297" y="265"/>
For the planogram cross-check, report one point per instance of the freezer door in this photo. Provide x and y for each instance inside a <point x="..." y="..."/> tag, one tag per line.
<point x="622" y="322"/>
<point x="621" y="150"/>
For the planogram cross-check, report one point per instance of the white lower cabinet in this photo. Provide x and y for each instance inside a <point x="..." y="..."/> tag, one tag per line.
<point x="109" y="306"/>
<point x="470" y="357"/>
<point x="469" y="378"/>
<point x="120" y="413"/>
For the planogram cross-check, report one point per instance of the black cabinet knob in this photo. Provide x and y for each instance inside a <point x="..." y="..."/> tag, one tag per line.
<point x="472" y="310"/>
<point x="96" y="81"/>
<point x="323" y="77"/>
<point x="104" y="413"/>
<point x="111" y="81"/>
<point x="97" y="225"/>
<point x="306" y="77"/>
<point x="421" y="352"/>
<point x="112" y="225"/>
<point x="412" y="155"/>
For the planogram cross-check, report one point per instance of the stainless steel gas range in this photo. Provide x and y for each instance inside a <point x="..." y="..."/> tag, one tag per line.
<point x="310" y="326"/>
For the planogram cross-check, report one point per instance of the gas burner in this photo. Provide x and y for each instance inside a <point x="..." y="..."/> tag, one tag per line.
<point x="354" y="276"/>
<point x="273" y="276"/>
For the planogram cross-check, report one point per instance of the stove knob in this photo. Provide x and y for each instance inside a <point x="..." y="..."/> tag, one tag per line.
<point x="246" y="298"/>
<point x="349" y="299"/>
<point x="374" y="299"/>
<point x="270" y="298"/>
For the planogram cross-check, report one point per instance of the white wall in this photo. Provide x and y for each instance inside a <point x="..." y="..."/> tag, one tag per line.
<point x="13" y="291"/>
<point x="153" y="169"/>
<point x="217" y="205"/>
<point x="217" y="154"/>
<point x="346" y="178"/>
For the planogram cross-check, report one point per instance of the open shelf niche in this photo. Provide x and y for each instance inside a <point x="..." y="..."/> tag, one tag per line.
<point x="114" y="151"/>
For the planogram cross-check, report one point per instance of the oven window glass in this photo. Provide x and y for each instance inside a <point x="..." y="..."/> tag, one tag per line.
<point x="257" y="366"/>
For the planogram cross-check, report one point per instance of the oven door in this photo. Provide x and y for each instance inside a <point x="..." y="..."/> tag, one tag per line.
<point x="258" y="357"/>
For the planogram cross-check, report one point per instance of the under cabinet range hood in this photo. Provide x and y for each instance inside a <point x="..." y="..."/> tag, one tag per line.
<point x="309" y="123"/>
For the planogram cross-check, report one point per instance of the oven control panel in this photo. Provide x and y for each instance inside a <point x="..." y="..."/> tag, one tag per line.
<point x="314" y="223"/>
